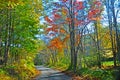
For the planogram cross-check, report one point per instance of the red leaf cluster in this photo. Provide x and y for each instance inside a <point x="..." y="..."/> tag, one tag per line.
<point x="98" y="3"/>
<point x="57" y="16"/>
<point x="93" y="13"/>
<point x="55" y="29"/>
<point x="48" y="19"/>
<point x="64" y="0"/>
<point x="68" y="19"/>
<point x="80" y="5"/>
<point x="51" y="29"/>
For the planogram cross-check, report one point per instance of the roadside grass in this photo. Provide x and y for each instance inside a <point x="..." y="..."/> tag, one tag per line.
<point x="108" y="63"/>
<point x="106" y="73"/>
<point x="18" y="72"/>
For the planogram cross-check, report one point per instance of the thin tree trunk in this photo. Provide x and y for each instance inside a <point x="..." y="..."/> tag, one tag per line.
<point x="98" y="45"/>
<point x="111" y="32"/>
<point x="116" y="34"/>
<point x="8" y="36"/>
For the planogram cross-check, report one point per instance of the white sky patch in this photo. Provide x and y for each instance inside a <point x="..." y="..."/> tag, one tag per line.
<point x="56" y="0"/>
<point x="80" y="0"/>
<point x="49" y="26"/>
<point x="41" y="30"/>
<point x="118" y="20"/>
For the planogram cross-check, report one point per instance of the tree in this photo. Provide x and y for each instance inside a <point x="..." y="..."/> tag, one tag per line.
<point x="18" y="27"/>
<point x="112" y="13"/>
<point x="67" y="13"/>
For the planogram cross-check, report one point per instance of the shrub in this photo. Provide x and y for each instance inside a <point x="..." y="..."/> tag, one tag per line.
<point x="99" y="74"/>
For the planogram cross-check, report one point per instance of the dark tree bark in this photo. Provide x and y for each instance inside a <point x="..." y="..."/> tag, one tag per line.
<point x="116" y="31"/>
<point x="72" y="38"/>
<point x="8" y="35"/>
<point x="112" y="20"/>
<point x="98" y="44"/>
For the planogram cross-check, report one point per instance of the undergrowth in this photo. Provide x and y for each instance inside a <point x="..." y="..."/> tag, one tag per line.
<point x="21" y="71"/>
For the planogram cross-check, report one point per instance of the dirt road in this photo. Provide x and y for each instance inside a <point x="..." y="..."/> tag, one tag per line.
<point x="51" y="74"/>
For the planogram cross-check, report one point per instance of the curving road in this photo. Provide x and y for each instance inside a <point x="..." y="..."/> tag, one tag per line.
<point x="51" y="74"/>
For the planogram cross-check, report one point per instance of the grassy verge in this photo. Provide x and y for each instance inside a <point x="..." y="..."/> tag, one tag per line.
<point x="107" y="72"/>
<point x="15" y="72"/>
<point x="108" y="63"/>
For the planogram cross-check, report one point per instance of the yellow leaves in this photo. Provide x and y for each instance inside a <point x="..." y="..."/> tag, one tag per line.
<point x="106" y="40"/>
<point x="2" y="4"/>
<point x="6" y="77"/>
<point x="64" y="11"/>
<point x="21" y="3"/>
<point x="36" y="17"/>
<point x="37" y="5"/>
<point x="11" y="4"/>
<point x="77" y="39"/>
<point x="14" y="3"/>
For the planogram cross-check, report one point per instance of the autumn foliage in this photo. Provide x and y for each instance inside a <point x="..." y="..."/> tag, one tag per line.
<point x="62" y="12"/>
<point x="56" y="43"/>
<point x="48" y="19"/>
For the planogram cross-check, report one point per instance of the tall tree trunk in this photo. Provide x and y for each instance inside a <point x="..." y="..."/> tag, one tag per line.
<point x="111" y="31"/>
<point x="1" y="44"/>
<point x="6" y="39"/>
<point x="98" y="44"/>
<point x="2" y="26"/>
<point x="8" y="36"/>
<point x="116" y="32"/>
<point x="72" y="38"/>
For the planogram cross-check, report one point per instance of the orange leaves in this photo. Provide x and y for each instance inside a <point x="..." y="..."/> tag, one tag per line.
<point x="78" y="22"/>
<point x="55" y="28"/>
<point x="64" y="0"/>
<point x="92" y="15"/>
<point x="48" y="19"/>
<point x="62" y="30"/>
<point x="57" y="16"/>
<point x="68" y="20"/>
<point x="98" y="3"/>
<point x="51" y="29"/>
<point x="80" y="5"/>
<point x="93" y="12"/>
<point x="56" y="43"/>
<point x="96" y="18"/>
<point x="54" y="25"/>
<point x="59" y="44"/>
<point x="77" y="39"/>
